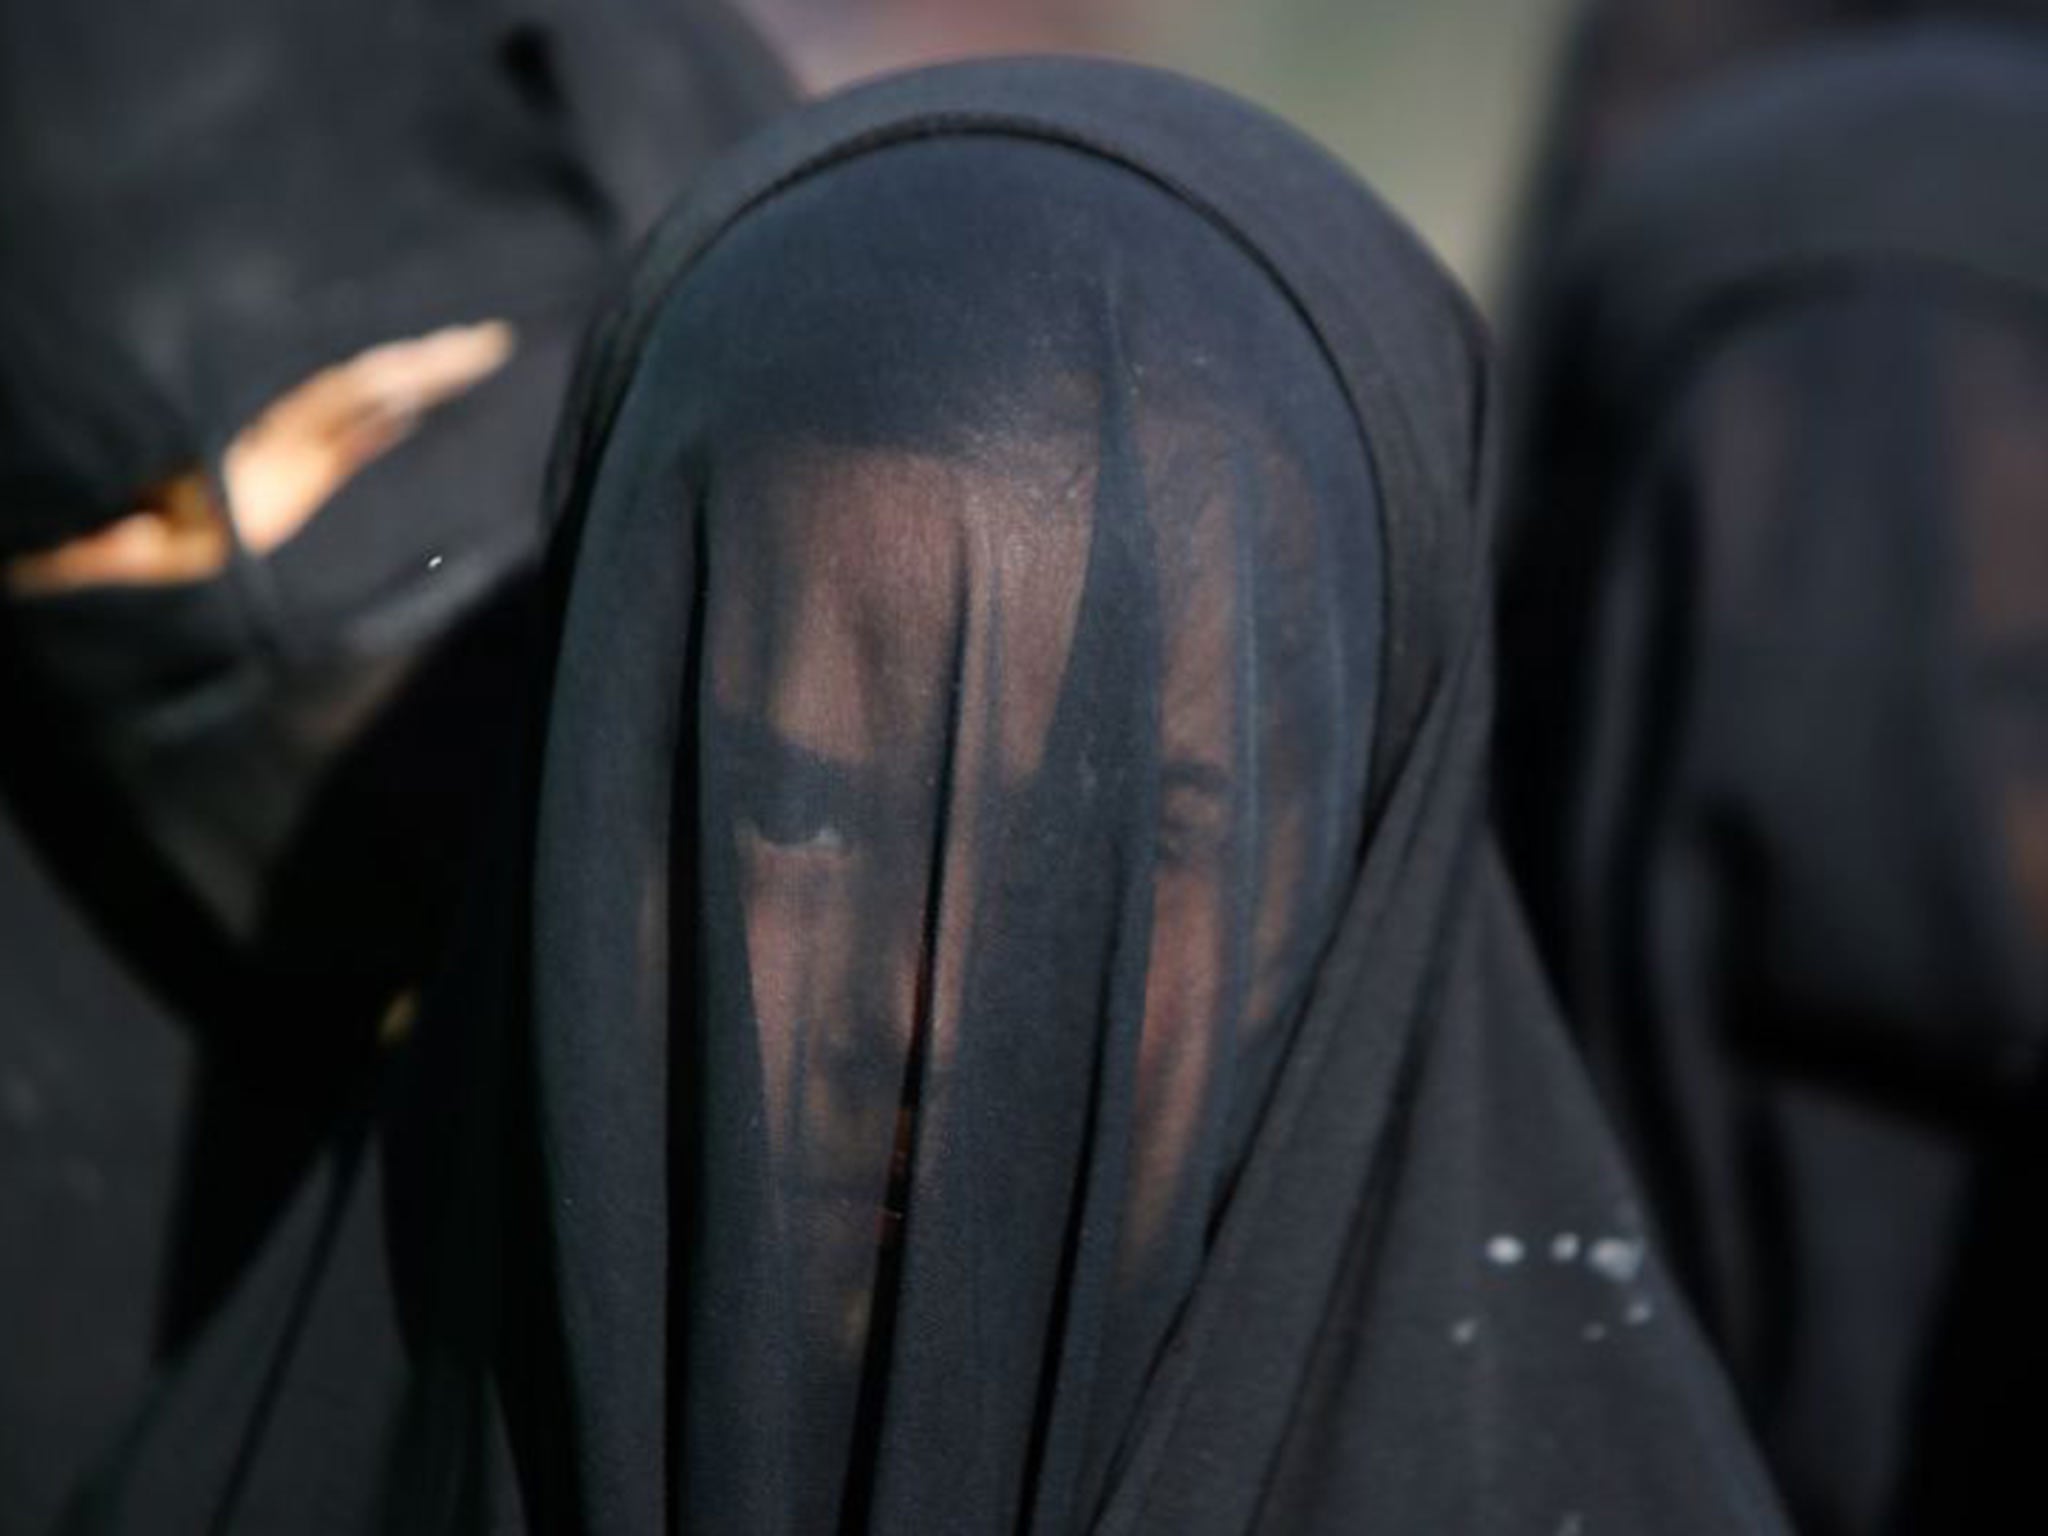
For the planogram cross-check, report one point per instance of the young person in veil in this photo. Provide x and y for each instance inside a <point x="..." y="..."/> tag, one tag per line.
<point x="1026" y="1029"/>
<point x="1770" y="758"/>
<point x="288" y="291"/>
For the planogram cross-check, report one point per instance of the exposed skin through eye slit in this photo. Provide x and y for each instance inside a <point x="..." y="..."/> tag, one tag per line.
<point x="280" y="470"/>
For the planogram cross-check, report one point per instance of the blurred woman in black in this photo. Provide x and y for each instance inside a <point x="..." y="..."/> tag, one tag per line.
<point x="1770" y="759"/>
<point x="287" y="295"/>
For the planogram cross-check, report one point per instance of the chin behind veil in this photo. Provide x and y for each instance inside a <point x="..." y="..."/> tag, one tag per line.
<point x="1027" y="1030"/>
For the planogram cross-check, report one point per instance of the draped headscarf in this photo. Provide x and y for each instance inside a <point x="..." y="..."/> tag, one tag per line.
<point x="1028" y="1031"/>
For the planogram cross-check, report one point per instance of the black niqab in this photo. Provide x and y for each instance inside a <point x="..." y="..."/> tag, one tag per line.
<point x="1029" y="1033"/>
<point x="1770" y="751"/>
<point x="240" y="811"/>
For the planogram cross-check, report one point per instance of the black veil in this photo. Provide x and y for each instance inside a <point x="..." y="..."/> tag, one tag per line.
<point x="1771" y="727"/>
<point x="1028" y="1031"/>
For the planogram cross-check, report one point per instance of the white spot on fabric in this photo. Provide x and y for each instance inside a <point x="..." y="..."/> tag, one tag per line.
<point x="434" y="562"/>
<point x="1593" y="1333"/>
<point x="1564" y="1247"/>
<point x="1639" y="1312"/>
<point x="1620" y="1259"/>
<point x="1464" y="1331"/>
<point x="1505" y="1250"/>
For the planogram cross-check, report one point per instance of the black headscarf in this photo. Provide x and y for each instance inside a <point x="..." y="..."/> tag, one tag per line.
<point x="1773" y="710"/>
<point x="1029" y="1033"/>
<point x="1629" y="63"/>
<point x="240" y="811"/>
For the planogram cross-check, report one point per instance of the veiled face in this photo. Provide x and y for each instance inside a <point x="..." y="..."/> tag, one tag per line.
<point x="1862" y="740"/>
<point x="893" y="656"/>
<point x="1997" y="402"/>
<point x="898" y="701"/>
<point x="998" y="603"/>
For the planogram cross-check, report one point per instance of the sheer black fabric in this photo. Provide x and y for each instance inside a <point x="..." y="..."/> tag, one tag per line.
<point x="1028" y="1031"/>
<point x="240" y="811"/>
<point x="1770" y="759"/>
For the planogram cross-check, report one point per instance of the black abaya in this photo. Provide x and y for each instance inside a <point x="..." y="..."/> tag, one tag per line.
<point x="1029" y="1032"/>
<point x="238" y="811"/>
<point x="1772" y="707"/>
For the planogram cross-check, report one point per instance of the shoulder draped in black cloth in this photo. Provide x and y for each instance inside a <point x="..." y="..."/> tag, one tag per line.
<point x="1029" y="1032"/>
<point x="1770" y="760"/>
<point x="238" y="811"/>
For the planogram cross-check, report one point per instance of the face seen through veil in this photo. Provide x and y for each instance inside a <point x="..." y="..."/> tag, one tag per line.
<point x="882" y="745"/>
